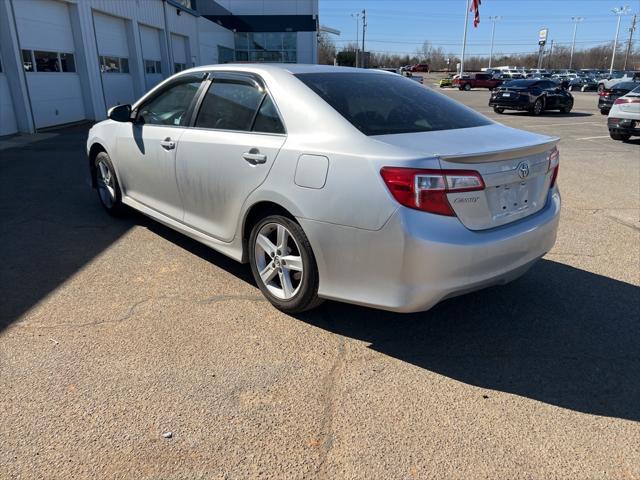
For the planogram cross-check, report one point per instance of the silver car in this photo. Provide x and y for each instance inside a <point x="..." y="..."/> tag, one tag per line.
<point x="333" y="183"/>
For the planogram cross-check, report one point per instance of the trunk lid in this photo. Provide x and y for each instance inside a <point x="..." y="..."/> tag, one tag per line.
<point x="513" y="165"/>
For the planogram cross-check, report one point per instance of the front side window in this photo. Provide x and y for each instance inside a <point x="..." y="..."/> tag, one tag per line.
<point x="229" y="105"/>
<point x="381" y="104"/>
<point x="171" y="106"/>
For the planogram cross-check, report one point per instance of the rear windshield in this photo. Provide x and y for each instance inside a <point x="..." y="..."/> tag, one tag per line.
<point x="521" y="83"/>
<point x="381" y="104"/>
<point x="625" y="86"/>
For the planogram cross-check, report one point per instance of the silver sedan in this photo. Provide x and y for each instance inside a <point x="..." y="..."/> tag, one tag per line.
<point x="333" y="183"/>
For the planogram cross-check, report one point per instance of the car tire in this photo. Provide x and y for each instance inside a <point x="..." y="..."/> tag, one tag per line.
<point x="498" y="110"/>
<point x="107" y="184"/>
<point x="467" y="87"/>
<point x="619" y="136"/>
<point x="604" y="111"/>
<point x="566" y="109"/>
<point x="571" y="88"/>
<point x="538" y="107"/>
<point x="290" y="290"/>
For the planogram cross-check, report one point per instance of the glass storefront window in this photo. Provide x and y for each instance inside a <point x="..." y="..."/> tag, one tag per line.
<point x="266" y="47"/>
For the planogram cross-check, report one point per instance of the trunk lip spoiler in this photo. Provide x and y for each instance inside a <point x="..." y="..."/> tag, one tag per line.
<point x="498" y="155"/>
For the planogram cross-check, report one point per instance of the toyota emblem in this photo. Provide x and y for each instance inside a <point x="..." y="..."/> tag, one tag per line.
<point x="523" y="169"/>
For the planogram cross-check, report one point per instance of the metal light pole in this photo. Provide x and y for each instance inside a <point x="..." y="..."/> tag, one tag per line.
<point x="357" y="17"/>
<point x="575" y="21"/>
<point x="364" y="29"/>
<point x="631" y="30"/>
<point x="464" y="37"/>
<point x="493" y="34"/>
<point x="619" y="11"/>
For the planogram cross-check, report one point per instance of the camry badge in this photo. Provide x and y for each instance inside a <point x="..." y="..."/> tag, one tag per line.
<point x="523" y="169"/>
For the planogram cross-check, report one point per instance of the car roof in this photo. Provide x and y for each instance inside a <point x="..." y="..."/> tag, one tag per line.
<point x="275" y="68"/>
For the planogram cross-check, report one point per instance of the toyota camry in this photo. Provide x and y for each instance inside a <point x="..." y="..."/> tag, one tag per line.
<point x="333" y="183"/>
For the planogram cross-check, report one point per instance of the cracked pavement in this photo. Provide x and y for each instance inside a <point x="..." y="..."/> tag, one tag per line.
<point x="114" y="331"/>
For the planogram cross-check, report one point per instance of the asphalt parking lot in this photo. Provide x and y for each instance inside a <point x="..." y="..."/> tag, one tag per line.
<point x="115" y="332"/>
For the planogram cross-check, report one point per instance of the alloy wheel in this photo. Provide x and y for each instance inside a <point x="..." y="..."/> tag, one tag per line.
<point x="279" y="261"/>
<point x="106" y="184"/>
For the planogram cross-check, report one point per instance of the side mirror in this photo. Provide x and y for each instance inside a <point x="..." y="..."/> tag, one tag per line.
<point x="120" y="113"/>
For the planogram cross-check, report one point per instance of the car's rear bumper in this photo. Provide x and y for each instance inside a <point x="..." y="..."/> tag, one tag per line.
<point x="624" y="126"/>
<point x="418" y="259"/>
<point x="516" y="104"/>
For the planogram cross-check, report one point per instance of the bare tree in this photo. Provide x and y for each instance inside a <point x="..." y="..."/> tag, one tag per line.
<point x="326" y="49"/>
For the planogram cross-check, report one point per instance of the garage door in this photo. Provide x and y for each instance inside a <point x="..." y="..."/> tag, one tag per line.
<point x="152" y="56"/>
<point x="7" y="115"/>
<point x="48" y="54"/>
<point x="180" y="54"/>
<point x="113" y="50"/>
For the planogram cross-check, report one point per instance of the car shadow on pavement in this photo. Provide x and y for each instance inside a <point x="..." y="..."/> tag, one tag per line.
<point x="558" y="335"/>
<point x="51" y="222"/>
<point x="548" y="113"/>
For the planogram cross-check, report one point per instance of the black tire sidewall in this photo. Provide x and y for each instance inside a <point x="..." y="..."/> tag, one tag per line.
<point x="307" y="296"/>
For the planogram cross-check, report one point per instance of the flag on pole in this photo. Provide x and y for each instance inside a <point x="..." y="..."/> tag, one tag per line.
<point x="475" y="7"/>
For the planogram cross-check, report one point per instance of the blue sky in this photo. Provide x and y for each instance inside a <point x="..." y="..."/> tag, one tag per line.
<point x="400" y="26"/>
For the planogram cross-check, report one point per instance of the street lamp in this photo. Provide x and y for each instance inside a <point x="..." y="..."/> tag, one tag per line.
<point x="493" y="19"/>
<point x="357" y="17"/>
<point x="575" y="21"/>
<point x="619" y="11"/>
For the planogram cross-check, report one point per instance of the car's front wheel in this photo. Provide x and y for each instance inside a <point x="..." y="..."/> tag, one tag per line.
<point x="498" y="109"/>
<point x="567" y="108"/>
<point x="467" y="87"/>
<point x="619" y="136"/>
<point x="538" y="107"/>
<point x="107" y="184"/>
<point x="283" y="264"/>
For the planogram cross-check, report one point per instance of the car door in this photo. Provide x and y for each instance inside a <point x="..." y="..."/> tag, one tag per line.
<point x="551" y="93"/>
<point x="146" y="148"/>
<point x="236" y="137"/>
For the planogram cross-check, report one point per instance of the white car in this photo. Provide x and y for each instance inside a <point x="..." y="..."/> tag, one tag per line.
<point x="624" y="116"/>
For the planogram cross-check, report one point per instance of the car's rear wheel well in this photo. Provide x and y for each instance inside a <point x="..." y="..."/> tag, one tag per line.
<point x="96" y="148"/>
<point x="256" y="213"/>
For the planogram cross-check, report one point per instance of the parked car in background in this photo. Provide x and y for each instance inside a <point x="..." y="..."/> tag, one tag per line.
<point x="326" y="182"/>
<point x="584" y="84"/>
<point x="446" y="82"/>
<point x="606" y="98"/>
<point x="420" y="67"/>
<point x="476" y="80"/>
<point x="505" y="77"/>
<point x="536" y="96"/>
<point x="624" y="116"/>
<point x="615" y="78"/>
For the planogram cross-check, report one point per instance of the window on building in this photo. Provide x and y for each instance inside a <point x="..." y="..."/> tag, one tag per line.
<point x="225" y="55"/>
<point x="27" y="60"/>
<point x="46" y="61"/>
<point x="152" y="66"/>
<point x="172" y="104"/>
<point x="0" y="65"/>
<point x="110" y="64"/>
<point x="266" y="47"/>
<point x="178" y="67"/>
<point x="229" y="105"/>
<point x="67" y="62"/>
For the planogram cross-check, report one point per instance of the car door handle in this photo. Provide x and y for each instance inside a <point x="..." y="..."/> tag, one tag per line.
<point x="168" y="144"/>
<point x="254" y="157"/>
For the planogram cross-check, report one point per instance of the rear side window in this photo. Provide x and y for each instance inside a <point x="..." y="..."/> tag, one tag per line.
<point x="229" y="105"/>
<point x="232" y="104"/>
<point x="381" y="104"/>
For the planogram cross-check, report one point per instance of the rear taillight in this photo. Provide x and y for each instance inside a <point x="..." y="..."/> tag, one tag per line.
<point x="426" y="189"/>
<point x="622" y="100"/>
<point x="604" y="93"/>
<point x="554" y="164"/>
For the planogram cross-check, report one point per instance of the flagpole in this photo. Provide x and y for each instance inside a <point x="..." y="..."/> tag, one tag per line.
<point x="464" y="38"/>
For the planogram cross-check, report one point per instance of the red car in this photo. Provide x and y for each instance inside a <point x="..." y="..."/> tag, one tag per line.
<point x="420" y="67"/>
<point x="477" y="80"/>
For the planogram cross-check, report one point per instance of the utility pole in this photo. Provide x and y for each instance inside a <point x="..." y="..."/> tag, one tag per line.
<point x="464" y="37"/>
<point x="631" y="30"/>
<point x="357" y="17"/>
<point x="493" y="34"/>
<point x="364" y="29"/>
<point x="619" y="11"/>
<point x="575" y="21"/>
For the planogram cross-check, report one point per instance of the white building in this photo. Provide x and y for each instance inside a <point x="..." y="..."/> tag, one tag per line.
<point x="64" y="61"/>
